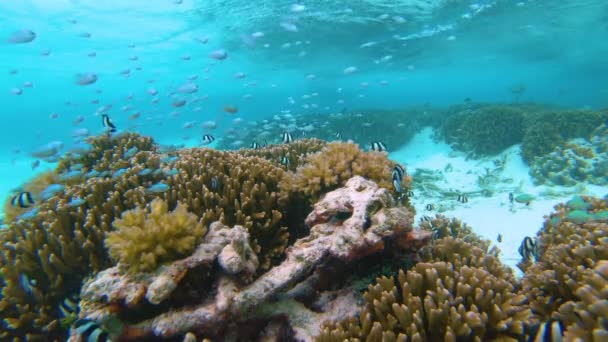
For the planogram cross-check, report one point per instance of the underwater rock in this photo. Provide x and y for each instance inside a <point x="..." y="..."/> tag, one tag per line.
<point x="116" y="286"/>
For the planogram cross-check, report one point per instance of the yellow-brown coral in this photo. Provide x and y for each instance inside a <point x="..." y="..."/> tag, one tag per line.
<point x="334" y="165"/>
<point x="144" y="240"/>
<point x="436" y="302"/>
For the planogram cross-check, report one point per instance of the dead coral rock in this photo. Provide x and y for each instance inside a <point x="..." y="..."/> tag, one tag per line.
<point x="348" y="224"/>
<point x="113" y="286"/>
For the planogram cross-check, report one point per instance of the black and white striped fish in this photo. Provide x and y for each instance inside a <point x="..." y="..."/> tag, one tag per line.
<point x="107" y="123"/>
<point x="398" y="172"/>
<point x="426" y="218"/>
<point x="208" y="139"/>
<point x="462" y="198"/>
<point x="69" y="305"/>
<point x="285" y="161"/>
<point x="90" y="331"/>
<point x="23" y="199"/>
<point x="286" y="137"/>
<point x="378" y="146"/>
<point x="549" y="331"/>
<point x="255" y="145"/>
<point x="528" y="249"/>
<point x="338" y="136"/>
<point x="215" y="183"/>
<point x="430" y="207"/>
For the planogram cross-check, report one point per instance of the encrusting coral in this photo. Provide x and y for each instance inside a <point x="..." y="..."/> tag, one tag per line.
<point x="348" y="224"/>
<point x="143" y="240"/>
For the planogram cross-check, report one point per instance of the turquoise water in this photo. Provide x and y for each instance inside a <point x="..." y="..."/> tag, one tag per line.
<point x="441" y="52"/>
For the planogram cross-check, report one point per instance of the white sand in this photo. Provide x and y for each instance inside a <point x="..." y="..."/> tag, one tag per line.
<point x="488" y="216"/>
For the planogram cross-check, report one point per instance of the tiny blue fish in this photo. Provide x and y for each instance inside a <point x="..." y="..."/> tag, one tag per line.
<point x="158" y="188"/>
<point x="131" y="152"/>
<point x="119" y="173"/>
<point x="76" y="202"/>
<point x="51" y="191"/>
<point x="171" y="172"/>
<point x="215" y="183"/>
<point x="71" y="176"/>
<point x="145" y="172"/>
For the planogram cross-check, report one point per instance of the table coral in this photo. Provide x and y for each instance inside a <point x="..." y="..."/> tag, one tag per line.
<point x="143" y="240"/>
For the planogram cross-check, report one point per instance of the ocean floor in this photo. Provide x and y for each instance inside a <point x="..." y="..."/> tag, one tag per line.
<point x="488" y="216"/>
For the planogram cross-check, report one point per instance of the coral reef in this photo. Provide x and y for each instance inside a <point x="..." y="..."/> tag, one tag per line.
<point x="143" y="240"/>
<point x="333" y="166"/>
<point x="571" y="243"/>
<point x="296" y="152"/>
<point x="443" y="227"/>
<point x="236" y="190"/>
<point x="434" y="302"/>
<point x="575" y="161"/>
<point x="47" y="254"/>
<point x="107" y="152"/>
<point x="348" y="224"/>
<point x="483" y="129"/>
<point x="548" y="128"/>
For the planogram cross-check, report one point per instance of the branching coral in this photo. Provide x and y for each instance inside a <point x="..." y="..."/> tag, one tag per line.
<point x="435" y="302"/>
<point x="348" y="224"/>
<point x="108" y="152"/>
<point x="143" y="240"/>
<point x="591" y="311"/>
<point x="333" y="166"/>
<point x="55" y="249"/>
<point x="233" y="189"/>
<point x="575" y="161"/>
<point x="568" y="251"/>
<point x="546" y="129"/>
<point x="296" y="152"/>
<point x="484" y="129"/>
<point x="443" y="227"/>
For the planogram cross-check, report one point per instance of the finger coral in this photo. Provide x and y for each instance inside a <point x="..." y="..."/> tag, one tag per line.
<point x="572" y="242"/>
<point x="233" y="189"/>
<point x="47" y="254"/>
<point x="483" y="129"/>
<point x="591" y="312"/>
<point x="334" y="165"/>
<point x="575" y="161"/>
<point x="443" y="227"/>
<point x="296" y="152"/>
<point x="435" y="302"/>
<point x="545" y="129"/>
<point x="141" y="241"/>
<point x="349" y="224"/>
